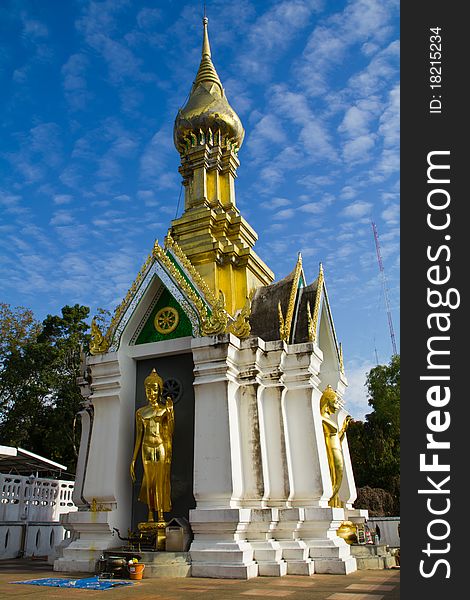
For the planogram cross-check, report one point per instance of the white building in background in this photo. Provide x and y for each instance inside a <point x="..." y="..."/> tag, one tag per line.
<point x="30" y="506"/>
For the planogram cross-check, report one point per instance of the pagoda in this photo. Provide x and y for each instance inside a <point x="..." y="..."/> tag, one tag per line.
<point x="245" y="359"/>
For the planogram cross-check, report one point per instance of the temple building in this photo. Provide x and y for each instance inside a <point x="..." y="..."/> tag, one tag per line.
<point x="250" y="364"/>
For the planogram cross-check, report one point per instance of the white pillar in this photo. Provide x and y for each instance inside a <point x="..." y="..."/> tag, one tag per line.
<point x="219" y="548"/>
<point x="273" y="445"/>
<point x="217" y="466"/>
<point x="86" y="420"/>
<point x="106" y="479"/>
<point x="309" y="477"/>
<point x="252" y="488"/>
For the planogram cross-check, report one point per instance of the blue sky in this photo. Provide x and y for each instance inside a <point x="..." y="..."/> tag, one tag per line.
<point x="88" y="170"/>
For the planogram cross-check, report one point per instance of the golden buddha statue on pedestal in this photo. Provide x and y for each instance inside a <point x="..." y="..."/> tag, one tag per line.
<point x="154" y="434"/>
<point x="333" y="438"/>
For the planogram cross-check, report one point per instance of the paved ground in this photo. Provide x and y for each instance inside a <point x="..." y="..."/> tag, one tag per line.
<point x="362" y="585"/>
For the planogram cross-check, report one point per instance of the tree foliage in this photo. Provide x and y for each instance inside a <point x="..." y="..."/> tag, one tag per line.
<point x="39" y="396"/>
<point x="375" y="443"/>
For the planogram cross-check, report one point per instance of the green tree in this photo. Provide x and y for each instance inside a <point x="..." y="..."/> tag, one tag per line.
<point x="39" y="396"/>
<point x="17" y="327"/>
<point x="375" y="443"/>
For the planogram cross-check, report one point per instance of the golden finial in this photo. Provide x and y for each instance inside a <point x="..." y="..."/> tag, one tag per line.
<point x="216" y="323"/>
<point x="207" y="72"/>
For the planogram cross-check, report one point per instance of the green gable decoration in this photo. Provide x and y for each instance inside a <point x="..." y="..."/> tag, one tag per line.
<point x="167" y="319"/>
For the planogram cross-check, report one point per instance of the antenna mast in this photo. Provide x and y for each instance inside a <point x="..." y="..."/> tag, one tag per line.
<point x="384" y="287"/>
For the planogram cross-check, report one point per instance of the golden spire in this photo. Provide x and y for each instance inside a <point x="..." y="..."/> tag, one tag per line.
<point x="211" y="232"/>
<point x="207" y="72"/>
<point x="207" y="112"/>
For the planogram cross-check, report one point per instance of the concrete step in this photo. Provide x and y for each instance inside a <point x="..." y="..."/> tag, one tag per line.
<point x="372" y="556"/>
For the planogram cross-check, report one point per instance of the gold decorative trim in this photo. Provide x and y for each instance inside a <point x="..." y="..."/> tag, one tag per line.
<point x="201" y="308"/>
<point x="313" y="320"/>
<point x="187" y="264"/>
<point x="121" y="309"/>
<point x="341" y="360"/>
<point x="282" y="324"/>
<point x="99" y="343"/>
<point x="241" y="326"/>
<point x="292" y="298"/>
<point x="310" y="326"/>
<point x="216" y="323"/>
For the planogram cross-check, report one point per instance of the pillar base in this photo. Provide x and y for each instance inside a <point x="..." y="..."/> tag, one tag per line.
<point x="91" y="535"/>
<point x="219" y="548"/>
<point x="330" y="553"/>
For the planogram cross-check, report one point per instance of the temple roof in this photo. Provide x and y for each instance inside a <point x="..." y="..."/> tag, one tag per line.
<point x="264" y="318"/>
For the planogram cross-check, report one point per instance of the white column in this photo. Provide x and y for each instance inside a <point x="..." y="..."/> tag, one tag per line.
<point x="309" y="477"/>
<point x="252" y="488"/>
<point x="86" y="419"/>
<point x="273" y="445"/>
<point x="219" y="548"/>
<point x="217" y="465"/>
<point x="106" y="478"/>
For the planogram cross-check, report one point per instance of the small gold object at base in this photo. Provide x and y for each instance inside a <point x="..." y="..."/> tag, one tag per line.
<point x="347" y="531"/>
<point x="156" y="527"/>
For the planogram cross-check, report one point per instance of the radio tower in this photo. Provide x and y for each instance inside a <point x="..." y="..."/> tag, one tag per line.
<point x="384" y="287"/>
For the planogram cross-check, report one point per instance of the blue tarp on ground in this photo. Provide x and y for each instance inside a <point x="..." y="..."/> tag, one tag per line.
<point x="88" y="583"/>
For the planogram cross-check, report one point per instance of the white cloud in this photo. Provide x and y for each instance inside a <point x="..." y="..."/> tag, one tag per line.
<point x="357" y="209"/>
<point x="272" y="33"/>
<point x="75" y="84"/>
<point x="267" y="129"/>
<point x="356" y="393"/>
<point x="274" y="203"/>
<point x="389" y="127"/>
<point x="287" y="213"/>
<point x="62" y="217"/>
<point x="358" y="149"/>
<point x="62" y="199"/>
<point x="391" y="214"/>
<point x="317" y="206"/>
<point x="361" y="21"/>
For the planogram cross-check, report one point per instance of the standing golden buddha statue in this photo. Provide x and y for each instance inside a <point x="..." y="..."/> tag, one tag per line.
<point x="155" y="424"/>
<point x="333" y="438"/>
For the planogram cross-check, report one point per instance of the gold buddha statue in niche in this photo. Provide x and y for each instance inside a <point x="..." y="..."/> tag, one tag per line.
<point x="333" y="438"/>
<point x="155" y="424"/>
